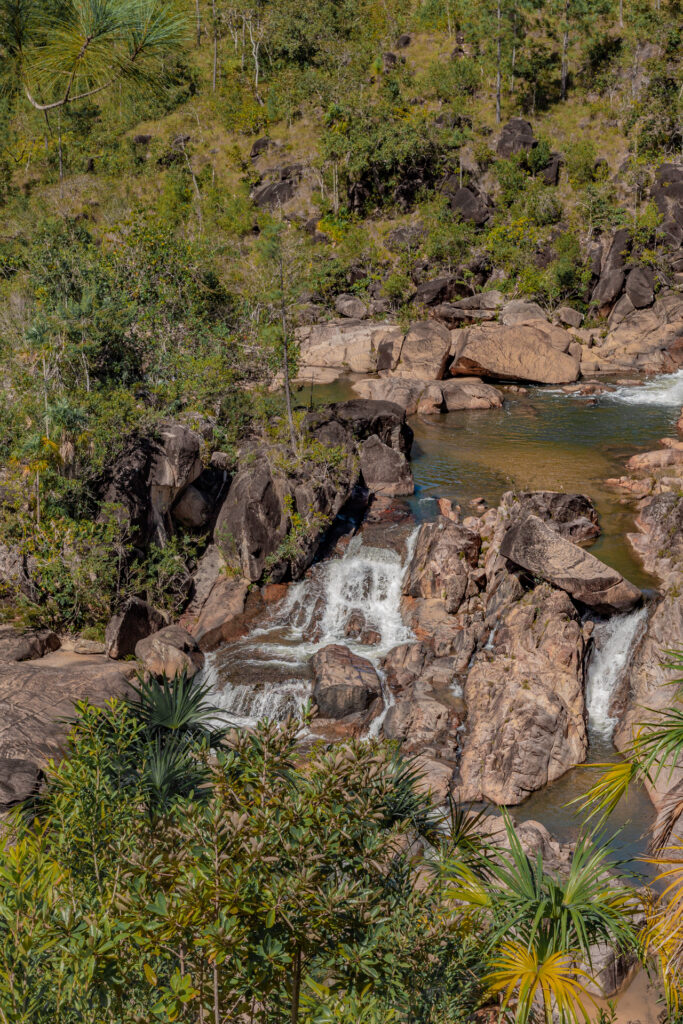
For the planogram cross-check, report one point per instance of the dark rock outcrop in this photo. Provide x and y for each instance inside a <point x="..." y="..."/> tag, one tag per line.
<point x="640" y="287"/>
<point x="256" y="515"/>
<point x="385" y="470"/>
<point x="362" y="418"/>
<point x="517" y="136"/>
<point x="436" y="290"/>
<point x="612" y="274"/>
<point x="573" y="516"/>
<point x="136" y="620"/>
<point x="26" y="645"/>
<point x="470" y="207"/>
<point x="150" y="474"/>
<point x="667" y="193"/>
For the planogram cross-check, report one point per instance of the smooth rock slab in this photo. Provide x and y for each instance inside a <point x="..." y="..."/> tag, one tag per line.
<point x="536" y="547"/>
<point x="349" y="345"/>
<point x="456" y="394"/>
<point x="37" y="700"/>
<point x="536" y="352"/>
<point x="425" y="351"/>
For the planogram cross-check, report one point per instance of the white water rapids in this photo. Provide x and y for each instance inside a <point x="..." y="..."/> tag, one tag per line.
<point x="268" y="675"/>
<point x="615" y="640"/>
<point x="664" y="390"/>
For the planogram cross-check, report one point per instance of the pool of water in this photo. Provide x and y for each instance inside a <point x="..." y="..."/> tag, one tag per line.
<point x="542" y="441"/>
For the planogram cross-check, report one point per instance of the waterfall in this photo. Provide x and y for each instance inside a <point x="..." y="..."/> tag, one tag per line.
<point x="615" y="640"/>
<point x="268" y="674"/>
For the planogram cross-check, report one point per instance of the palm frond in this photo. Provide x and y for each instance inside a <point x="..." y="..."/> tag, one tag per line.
<point x="520" y="975"/>
<point x="169" y="770"/>
<point x="464" y="839"/>
<point x="663" y="931"/>
<point x="603" y="796"/>
<point x="669" y="814"/>
<point x="406" y="800"/>
<point x="177" y="706"/>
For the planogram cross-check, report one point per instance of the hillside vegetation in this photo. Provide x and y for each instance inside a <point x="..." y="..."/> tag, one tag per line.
<point x="165" y="224"/>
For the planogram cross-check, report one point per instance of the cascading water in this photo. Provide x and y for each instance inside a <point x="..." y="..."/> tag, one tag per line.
<point x="664" y="390"/>
<point x="268" y="675"/>
<point x="615" y="640"/>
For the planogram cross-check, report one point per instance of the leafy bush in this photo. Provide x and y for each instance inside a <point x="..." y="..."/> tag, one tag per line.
<point x="580" y="161"/>
<point x="280" y="879"/>
<point x="388" y="154"/>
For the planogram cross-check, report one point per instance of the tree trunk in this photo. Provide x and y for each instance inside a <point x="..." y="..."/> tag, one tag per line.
<point x="498" y="58"/>
<point x="621" y="13"/>
<point x="215" y="45"/>
<point x="296" y="986"/>
<point x="59" y="146"/>
<point x="565" y="52"/>
<point x="285" y="355"/>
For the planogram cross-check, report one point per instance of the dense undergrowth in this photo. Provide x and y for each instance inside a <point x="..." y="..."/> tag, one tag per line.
<point x="172" y="870"/>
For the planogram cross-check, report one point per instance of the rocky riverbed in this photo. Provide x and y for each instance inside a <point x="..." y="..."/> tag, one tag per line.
<point x="500" y="623"/>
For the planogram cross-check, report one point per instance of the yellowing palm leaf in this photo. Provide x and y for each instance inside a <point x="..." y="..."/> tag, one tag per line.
<point x="613" y="783"/>
<point x="663" y="931"/>
<point x="520" y="975"/>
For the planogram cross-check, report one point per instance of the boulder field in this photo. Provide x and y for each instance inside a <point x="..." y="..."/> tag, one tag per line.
<point x="515" y="645"/>
<point x="509" y="342"/>
<point x="489" y="691"/>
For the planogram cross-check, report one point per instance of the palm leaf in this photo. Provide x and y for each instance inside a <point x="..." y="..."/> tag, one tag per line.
<point x="663" y="932"/>
<point x="669" y="814"/>
<point x="603" y="796"/>
<point x="519" y="974"/>
<point x="177" y="706"/>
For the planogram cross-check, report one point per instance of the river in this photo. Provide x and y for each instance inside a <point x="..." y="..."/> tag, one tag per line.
<point x="541" y="439"/>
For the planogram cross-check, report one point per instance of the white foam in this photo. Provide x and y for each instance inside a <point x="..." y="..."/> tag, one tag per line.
<point x="367" y="581"/>
<point x="665" y="390"/>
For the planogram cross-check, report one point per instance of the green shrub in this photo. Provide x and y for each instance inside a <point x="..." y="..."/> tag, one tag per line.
<point x="580" y="158"/>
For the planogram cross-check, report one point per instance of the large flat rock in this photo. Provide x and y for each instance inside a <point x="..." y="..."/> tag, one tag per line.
<point x="37" y="701"/>
<point x="356" y="346"/>
<point x="425" y="351"/>
<point x="451" y="395"/>
<point x="537" y="352"/>
<point x="536" y="547"/>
